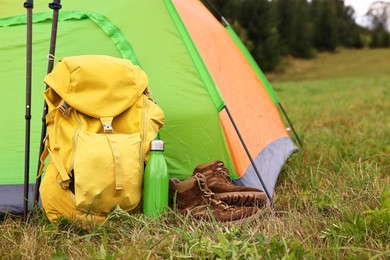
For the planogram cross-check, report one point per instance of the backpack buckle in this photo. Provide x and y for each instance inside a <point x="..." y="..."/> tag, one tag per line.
<point x="64" y="108"/>
<point x="107" y="125"/>
<point x="108" y="128"/>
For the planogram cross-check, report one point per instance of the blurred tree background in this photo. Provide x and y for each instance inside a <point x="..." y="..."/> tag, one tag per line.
<point x="273" y="29"/>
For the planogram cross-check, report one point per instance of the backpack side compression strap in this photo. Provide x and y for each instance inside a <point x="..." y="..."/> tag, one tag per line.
<point x="61" y="169"/>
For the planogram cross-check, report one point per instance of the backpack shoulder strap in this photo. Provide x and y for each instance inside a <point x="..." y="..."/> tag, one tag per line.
<point x="65" y="179"/>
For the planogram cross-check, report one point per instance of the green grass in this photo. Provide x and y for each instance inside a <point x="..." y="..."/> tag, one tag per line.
<point x="333" y="196"/>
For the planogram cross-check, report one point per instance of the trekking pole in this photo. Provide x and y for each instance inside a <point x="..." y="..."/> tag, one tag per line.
<point x="29" y="6"/>
<point x="55" y="6"/>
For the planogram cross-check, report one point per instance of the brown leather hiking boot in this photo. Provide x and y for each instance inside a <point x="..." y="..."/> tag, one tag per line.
<point x="219" y="182"/>
<point x="194" y="197"/>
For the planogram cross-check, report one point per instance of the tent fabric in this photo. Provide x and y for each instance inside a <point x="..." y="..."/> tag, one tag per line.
<point x="186" y="87"/>
<point x="109" y="28"/>
<point x="11" y="201"/>
<point x="198" y="60"/>
<point x="253" y="63"/>
<point x="269" y="163"/>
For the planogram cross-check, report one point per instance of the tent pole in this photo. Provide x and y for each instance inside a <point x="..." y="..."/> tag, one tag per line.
<point x="55" y="6"/>
<point x="289" y="122"/>
<point x="29" y="6"/>
<point x="220" y="17"/>
<point x="212" y="8"/>
<point x="250" y="158"/>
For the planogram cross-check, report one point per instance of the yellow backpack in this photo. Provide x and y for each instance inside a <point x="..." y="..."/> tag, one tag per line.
<point x="101" y="119"/>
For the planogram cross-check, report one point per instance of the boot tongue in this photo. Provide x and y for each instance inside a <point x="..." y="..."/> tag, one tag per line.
<point x="209" y="166"/>
<point x="216" y="179"/>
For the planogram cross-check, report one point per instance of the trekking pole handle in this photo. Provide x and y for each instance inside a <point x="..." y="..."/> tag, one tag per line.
<point x="55" y="5"/>
<point x="28" y="4"/>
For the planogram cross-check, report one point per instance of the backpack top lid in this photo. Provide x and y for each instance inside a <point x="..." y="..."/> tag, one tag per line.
<point x="98" y="85"/>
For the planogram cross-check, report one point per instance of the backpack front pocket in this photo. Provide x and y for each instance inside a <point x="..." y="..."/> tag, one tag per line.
<point x="107" y="172"/>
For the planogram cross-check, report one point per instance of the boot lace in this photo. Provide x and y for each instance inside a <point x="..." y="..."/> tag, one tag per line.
<point x="208" y="194"/>
<point x="224" y="173"/>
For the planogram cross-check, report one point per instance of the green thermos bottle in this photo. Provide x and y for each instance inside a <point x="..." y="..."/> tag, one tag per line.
<point x="156" y="181"/>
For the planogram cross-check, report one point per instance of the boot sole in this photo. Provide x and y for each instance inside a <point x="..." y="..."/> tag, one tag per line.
<point x="258" y="199"/>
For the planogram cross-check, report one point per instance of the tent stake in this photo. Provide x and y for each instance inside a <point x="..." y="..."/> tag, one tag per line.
<point x="55" y="6"/>
<point x="29" y="6"/>
<point x="291" y="125"/>
<point x="250" y="158"/>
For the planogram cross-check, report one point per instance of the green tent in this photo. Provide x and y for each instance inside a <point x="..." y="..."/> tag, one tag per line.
<point x="197" y="68"/>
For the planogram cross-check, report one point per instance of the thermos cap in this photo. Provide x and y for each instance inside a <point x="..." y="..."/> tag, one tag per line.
<point x="157" y="145"/>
